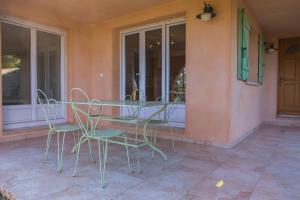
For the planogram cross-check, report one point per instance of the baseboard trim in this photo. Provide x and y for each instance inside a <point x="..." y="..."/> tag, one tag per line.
<point x="243" y="137"/>
<point x="22" y="134"/>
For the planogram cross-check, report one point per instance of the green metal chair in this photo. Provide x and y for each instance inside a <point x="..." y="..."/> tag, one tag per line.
<point x="163" y="121"/>
<point x="50" y="109"/>
<point x="88" y="117"/>
<point x="78" y="95"/>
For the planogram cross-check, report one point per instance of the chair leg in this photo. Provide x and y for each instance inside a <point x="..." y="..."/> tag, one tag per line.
<point x="105" y="159"/>
<point x="75" y="139"/>
<point x="137" y="150"/>
<point x="138" y="160"/>
<point x="127" y="152"/>
<point x="77" y="156"/>
<point x="100" y="160"/>
<point x="102" y="169"/>
<point x="58" y="152"/>
<point x="172" y="139"/>
<point x="62" y="152"/>
<point x="48" y="145"/>
<point x="154" y="140"/>
<point x="90" y="150"/>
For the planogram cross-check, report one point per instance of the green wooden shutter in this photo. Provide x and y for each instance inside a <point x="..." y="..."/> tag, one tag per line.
<point x="261" y="59"/>
<point x="243" y="45"/>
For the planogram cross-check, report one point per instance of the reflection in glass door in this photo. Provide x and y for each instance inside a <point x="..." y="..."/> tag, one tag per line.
<point x="31" y="59"/>
<point x="49" y="68"/>
<point x="132" y="66"/>
<point x="153" y="64"/>
<point x="15" y="65"/>
<point x="16" y="69"/>
<point x="49" y="64"/>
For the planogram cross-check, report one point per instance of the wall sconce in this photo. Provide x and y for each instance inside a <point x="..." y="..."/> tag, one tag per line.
<point x="270" y="47"/>
<point x="207" y="14"/>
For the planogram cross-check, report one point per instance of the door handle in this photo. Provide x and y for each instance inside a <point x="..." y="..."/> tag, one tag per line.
<point x="280" y="81"/>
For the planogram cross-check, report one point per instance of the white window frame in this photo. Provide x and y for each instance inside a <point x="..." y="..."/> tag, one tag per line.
<point x="164" y="25"/>
<point x="34" y="106"/>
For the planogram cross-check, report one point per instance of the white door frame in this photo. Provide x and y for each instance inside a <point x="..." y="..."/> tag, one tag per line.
<point x="165" y="58"/>
<point x="34" y="106"/>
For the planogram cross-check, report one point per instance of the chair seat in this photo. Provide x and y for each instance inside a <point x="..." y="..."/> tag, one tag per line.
<point x="117" y="118"/>
<point x="157" y="121"/>
<point x="105" y="133"/>
<point x="67" y="128"/>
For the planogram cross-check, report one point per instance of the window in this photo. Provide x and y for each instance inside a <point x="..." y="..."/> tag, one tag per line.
<point x="177" y="63"/>
<point x="153" y="63"/>
<point x="49" y="64"/>
<point x="249" y="51"/>
<point x="32" y="58"/>
<point x="253" y="55"/>
<point x="15" y="44"/>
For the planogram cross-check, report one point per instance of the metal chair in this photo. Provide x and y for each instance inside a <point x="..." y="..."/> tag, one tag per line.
<point x="164" y="121"/>
<point x="50" y="109"/>
<point x="88" y="116"/>
<point x="78" y="95"/>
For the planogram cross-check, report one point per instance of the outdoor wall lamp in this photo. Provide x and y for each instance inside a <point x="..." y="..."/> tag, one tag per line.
<point x="207" y="14"/>
<point x="270" y="47"/>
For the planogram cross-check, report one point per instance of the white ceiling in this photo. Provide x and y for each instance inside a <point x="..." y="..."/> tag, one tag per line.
<point x="279" y="17"/>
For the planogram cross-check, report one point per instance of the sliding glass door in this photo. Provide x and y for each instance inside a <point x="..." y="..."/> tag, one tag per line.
<point x="31" y="59"/>
<point x="153" y="65"/>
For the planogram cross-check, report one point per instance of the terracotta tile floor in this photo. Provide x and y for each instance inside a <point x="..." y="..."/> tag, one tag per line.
<point x="264" y="166"/>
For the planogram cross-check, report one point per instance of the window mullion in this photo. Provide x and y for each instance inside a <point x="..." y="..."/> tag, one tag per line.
<point x="33" y="74"/>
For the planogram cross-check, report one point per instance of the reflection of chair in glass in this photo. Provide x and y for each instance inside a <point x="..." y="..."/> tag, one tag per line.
<point x="136" y="95"/>
<point x="88" y="117"/>
<point x="178" y="87"/>
<point x="50" y="109"/>
<point x="177" y="96"/>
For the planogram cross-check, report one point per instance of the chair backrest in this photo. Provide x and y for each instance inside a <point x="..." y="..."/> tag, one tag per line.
<point x="49" y="107"/>
<point x="169" y="110"/>
<point x="178" y="96"/>
<point x="87" y="112"/>
<point x="133" y="95"/>
<point x="88" y="116"/>
<point x="134" y="111"/>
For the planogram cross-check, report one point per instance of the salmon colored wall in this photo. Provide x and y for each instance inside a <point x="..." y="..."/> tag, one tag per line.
<point x="207" y="63"/>
<point x="271" y="74"/>
<point x="246" y="100"/>
<point x="219" y="109"/>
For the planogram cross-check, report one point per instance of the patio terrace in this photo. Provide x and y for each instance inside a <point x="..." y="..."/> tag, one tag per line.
<point x="262" y="167"/>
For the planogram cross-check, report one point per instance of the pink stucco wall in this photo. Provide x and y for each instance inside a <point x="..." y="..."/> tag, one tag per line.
<point x="246" y="100"/>
<point x="219" y="108"/>
<point x="207" y="63"/>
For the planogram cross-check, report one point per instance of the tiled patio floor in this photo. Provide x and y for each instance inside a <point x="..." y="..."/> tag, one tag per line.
<point x="264" y="166"/>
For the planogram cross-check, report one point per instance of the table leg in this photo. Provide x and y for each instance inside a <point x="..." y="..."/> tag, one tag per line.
<point x="76" y="146"/>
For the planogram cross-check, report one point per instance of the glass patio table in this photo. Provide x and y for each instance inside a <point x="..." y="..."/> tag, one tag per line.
<point x="133" y="120"/>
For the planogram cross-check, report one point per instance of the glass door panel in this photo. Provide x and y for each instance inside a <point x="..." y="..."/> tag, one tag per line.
<point x="49" y="68"/>
<point x="49" y="64"/>
<point x="177" y="74"/>
<point x="132" y="67"/>
<point x="16" y="73"/>
<point x="176" y="71"/>
<point x="31" y="60"/>
<point x="153" y="64"/>
<point x="16" y="84"/>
